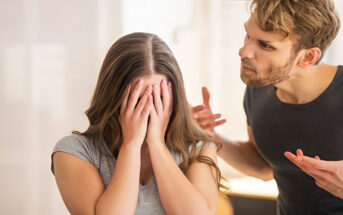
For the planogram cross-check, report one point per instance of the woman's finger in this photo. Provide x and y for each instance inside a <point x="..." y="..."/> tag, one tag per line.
<point x="147" y="108"/>
<point x="153" y="112"/>
<point x="157" y="99"/>
<point x="170" y="90"/>
<point x="142" y="102"/>
<point x="134" y="96"/>
<point x="165" y="95"/>
<point x="124" y="104"/>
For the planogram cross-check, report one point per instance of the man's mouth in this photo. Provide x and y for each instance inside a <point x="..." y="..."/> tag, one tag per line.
<point x="247" y="69"/>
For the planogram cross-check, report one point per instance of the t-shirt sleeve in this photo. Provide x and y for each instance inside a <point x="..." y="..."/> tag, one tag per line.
<point x="178" y="156"/>
<point x="246" y="104"/>
<point x="72" y="145"/>
<point x="200" y="144"/>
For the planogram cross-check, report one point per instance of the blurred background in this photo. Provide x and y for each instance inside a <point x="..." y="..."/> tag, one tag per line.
<point x="50" y="56"/>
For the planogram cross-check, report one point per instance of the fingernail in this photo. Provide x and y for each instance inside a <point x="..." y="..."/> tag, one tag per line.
<point x="149" y="88"/>
<point x="164" y="82"/>
<point x="169" y="84"/>
<point x="140" y="82"/>
<point x="299" y="159"/>
<point x="195" y="115"/>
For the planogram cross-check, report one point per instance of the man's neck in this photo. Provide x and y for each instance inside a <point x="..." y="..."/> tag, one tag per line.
<point x="305" y="85"/>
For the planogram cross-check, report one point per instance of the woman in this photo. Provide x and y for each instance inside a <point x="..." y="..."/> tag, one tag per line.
<point x="142" y="152"/>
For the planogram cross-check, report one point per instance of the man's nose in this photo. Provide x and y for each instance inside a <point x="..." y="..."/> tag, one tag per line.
<point x="247" y="51"/>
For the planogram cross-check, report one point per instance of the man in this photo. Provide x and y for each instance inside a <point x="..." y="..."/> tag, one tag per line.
<point x="291" y="102"/>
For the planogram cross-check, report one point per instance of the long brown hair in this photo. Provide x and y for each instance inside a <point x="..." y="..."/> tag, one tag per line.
<point x="131" y="56"/>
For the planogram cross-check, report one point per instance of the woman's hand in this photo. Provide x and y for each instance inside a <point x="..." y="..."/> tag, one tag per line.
<point x="134" y="117"/>
<point x="160" y="113"/>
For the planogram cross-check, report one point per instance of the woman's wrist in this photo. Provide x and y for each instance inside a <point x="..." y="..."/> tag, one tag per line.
<point x="157" y="144"/>
<point x="131" y="146"/>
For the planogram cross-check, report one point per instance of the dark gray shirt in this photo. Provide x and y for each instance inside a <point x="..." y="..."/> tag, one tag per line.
<point x="315" y="127"/>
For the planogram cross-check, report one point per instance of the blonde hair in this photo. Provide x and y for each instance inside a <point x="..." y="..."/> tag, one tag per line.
<point x="309" y="23"/>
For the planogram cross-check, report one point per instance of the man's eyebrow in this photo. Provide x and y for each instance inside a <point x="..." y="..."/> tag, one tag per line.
<point x="264" y="41"/>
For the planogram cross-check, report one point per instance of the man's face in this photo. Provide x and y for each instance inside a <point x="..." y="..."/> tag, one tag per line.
<point x="267" y="57"/>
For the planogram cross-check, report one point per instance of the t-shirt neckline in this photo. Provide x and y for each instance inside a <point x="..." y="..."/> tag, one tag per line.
<point x="317" y="99"/>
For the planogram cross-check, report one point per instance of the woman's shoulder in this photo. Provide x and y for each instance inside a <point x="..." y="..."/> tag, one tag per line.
<point x="77" y="145"/>
<point x="74" y="141"/>
<point x="198" y="146"/>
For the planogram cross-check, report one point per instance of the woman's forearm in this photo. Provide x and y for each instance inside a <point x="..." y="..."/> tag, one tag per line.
<point x="120" y="196"/>
<point x="178" y="195"/>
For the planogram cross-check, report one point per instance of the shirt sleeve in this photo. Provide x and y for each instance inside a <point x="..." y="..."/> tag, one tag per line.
<point x="73" y="145"/>
<point x="200" y="144"/>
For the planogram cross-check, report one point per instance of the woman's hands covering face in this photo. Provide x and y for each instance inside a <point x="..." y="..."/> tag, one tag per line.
<point x="160" y="113"/>
<point x="134" y="115"/>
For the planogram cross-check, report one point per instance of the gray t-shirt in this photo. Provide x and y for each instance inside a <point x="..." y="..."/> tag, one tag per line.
<point x="98" y="154"/>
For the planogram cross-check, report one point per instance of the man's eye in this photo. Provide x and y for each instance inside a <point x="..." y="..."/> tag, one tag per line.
<point x="265" y="45"/>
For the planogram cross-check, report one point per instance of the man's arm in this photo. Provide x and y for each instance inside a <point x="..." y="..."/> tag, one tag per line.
<point x="241" y="155"/>
<point x="244" y="156"/>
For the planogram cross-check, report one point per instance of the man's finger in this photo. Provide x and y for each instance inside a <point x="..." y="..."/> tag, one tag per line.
<point x="208" y="118"/>
<point x="212" y="125"/>
<point x="197" y="108"/>
<point x="220" y="122"/>
<point x="203" y="113"/>
<point x="308" y="169"/>
<point x="206" y="96"/>
<point x="292" y="157"/>
<point x="316" y="172"/>
<point x="320" y="164"/>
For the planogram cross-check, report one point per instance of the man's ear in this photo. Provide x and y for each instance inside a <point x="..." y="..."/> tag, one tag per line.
<point x="309" y="57"/>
